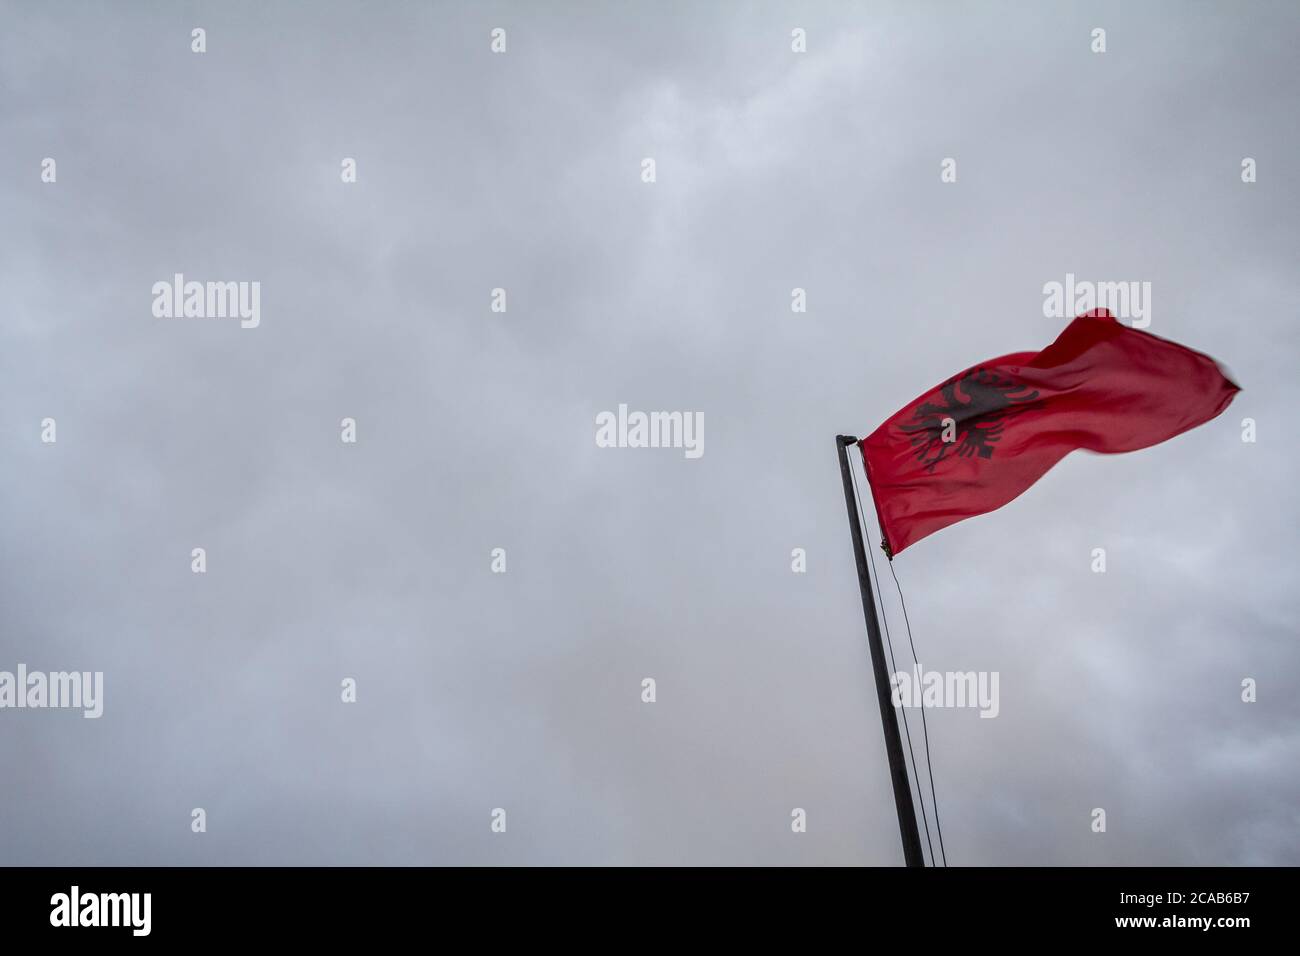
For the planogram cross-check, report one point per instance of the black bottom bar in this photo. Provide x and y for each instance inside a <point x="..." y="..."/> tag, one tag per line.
<point x="974" y="906"/>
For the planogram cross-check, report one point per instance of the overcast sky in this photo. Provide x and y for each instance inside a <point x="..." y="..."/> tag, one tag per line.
<point x="522" y="170"/>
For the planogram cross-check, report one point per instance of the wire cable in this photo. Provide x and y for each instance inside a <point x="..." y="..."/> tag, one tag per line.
<point x="929" y="768"/>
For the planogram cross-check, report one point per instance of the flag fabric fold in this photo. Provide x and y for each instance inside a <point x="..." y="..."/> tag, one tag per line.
<point x="980" y="439"/>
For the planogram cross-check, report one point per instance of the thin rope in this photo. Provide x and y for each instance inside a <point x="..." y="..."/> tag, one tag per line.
<point x="893" y="665"/>
<point x="929" y="768"/>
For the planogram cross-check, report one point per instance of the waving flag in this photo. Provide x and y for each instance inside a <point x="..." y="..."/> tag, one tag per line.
<point x="981" y="438"/>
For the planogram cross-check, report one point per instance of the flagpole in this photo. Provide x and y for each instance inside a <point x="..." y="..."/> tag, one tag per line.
<point x="912" y="855"/>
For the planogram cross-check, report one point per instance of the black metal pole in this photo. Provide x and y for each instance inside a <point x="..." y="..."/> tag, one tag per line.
<point x="912" y="855"/>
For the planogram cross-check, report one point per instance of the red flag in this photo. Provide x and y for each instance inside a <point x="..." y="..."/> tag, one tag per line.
<point x="984" y="436"/>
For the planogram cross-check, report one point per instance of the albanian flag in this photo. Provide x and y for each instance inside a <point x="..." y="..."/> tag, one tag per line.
<point x="984" y="436"/>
